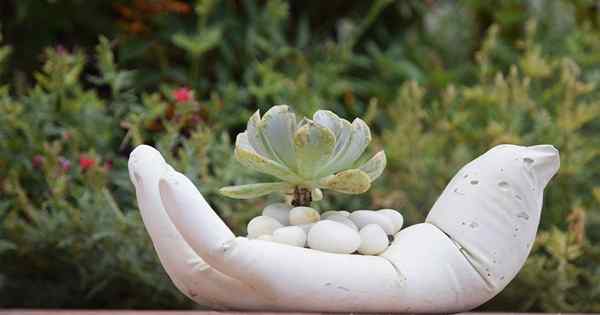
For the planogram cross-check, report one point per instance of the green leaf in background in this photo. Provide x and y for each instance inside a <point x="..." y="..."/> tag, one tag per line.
<point x="199" y="43"/>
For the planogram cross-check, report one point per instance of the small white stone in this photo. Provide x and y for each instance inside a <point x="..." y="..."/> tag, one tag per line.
<point x="291" y="235"/>
<point x="364" y="217"/>
<point x="326" y="214"/>
<point x="373" y="240"/>
<point x="343" y="220"/>
<point x="333" y="237"/>
<point x="394" y="216"/>
<point x="265" y="237"/>
<point x="303" y="215"/>
<point x="262" y="225"/>
<point x="279" y="212"/>
<point x="344" y="213"/>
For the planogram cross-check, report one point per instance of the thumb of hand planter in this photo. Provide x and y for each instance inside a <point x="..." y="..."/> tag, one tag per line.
<point x="474" y="241"/>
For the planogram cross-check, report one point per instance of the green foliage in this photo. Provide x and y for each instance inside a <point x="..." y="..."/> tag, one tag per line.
<point x="438" y="82"/>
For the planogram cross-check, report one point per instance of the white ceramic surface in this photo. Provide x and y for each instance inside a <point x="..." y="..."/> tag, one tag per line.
<point x="474" y="241"/>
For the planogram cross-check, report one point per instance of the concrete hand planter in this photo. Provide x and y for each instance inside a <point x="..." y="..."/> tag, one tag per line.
<point x="474" y="241"/>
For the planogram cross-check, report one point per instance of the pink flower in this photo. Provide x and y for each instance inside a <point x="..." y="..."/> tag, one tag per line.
<point x="38" y="161"/>
<point x="183" y="95"/>
<point x="66" y="135"/>
<point x="86" y="162"/>
<point x="61" y="50"/>
<point x="65" y="164"/>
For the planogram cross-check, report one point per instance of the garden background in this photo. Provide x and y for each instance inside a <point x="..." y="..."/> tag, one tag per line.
<point x="439" y="82"/>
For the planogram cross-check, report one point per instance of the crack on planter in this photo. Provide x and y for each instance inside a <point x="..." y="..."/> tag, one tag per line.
<point x="485" y="276"/>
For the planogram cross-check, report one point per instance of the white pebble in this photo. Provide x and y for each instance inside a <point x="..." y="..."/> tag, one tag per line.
<point x="265" y="237"/>
<point x="373" y="240"/>
<point x="343" y="220"/>
<point x="333" y="237"/>
<point x="291" y="235"/>
<point x="279" y="212"/>
<point x="394" y="216"/>
<point x="364" y="217"/>
<point x="303" y="215"/>
<point x="326" y="214"/>
<point x="262" y="225"/>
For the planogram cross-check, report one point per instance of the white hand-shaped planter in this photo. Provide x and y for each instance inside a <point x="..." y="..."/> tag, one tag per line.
<point x="474" y="241"/>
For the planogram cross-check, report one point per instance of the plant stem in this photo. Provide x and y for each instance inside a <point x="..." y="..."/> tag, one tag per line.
<point x="302" y="197"/>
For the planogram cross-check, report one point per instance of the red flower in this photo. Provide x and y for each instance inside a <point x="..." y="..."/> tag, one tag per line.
<point x="182" y="95"/>
<point x="38" y="161"/>
<point x="86" y="162"/>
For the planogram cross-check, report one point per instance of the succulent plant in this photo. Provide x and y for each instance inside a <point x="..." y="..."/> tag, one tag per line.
<point x="306" y="156"/>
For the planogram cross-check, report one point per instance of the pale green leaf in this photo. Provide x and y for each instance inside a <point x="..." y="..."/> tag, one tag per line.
<point x="248" y="157"/>
<point x="352" y="181"/>
<point x="254" y="190"/>
<point x="277" y="128"/>
<point x="357" y="142"/>
<point x="375" y="166"/>
<point x="255" y="139"/>
<point x="313" y="145"/>
<point x="330" y="120"/>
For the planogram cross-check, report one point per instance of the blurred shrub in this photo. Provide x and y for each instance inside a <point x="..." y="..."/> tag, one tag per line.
<point x="440" y="82"/>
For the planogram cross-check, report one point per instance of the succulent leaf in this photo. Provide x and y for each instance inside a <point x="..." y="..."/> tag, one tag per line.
<point x="248" y="157"/>
<point x="255" y="138"/>
<point x="341" y="143"/>
<point x="343" y="138"/>
<point x="353" y="181"/>
<point x="254" y="190"/>
<point x="374" y="167"/>
<point x="314" y="145"/>
<point x="277" y="127"/>
<point x="330" y="120"/>
<point x="358" y="141"/>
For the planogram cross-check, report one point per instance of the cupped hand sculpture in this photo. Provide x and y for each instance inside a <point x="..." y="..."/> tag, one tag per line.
<point x="475" y="239"/>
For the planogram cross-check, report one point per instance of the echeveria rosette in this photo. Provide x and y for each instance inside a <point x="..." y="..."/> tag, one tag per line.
<point x="314" y="154"/>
